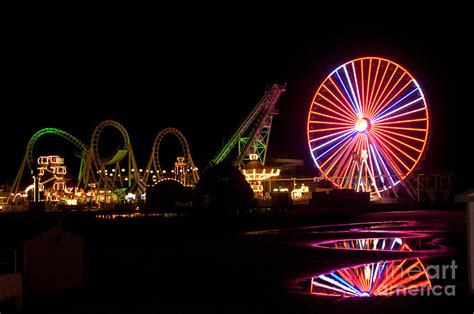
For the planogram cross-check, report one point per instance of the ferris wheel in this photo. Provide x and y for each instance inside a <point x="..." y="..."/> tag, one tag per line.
<point x="368" y="125"/>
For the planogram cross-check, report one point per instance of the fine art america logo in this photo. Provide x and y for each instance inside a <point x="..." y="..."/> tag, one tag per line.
<point x="434" y="272"/>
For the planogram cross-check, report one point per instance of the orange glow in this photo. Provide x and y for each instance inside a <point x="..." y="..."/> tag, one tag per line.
<point x="385" y="106"/>
<point x="346" y="108"/>
<point x="344" y="97"/>
<point x="373" y="85"/>
<point x="382" y="102"/>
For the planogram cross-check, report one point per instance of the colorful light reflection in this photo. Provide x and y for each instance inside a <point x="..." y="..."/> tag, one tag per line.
<point x="383" y="278"/>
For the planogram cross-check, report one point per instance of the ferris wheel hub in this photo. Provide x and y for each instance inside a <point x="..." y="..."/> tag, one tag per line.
<point x="362" y="125"/>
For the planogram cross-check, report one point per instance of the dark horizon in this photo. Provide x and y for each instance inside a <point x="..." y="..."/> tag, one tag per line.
<point x="205" y="84"/>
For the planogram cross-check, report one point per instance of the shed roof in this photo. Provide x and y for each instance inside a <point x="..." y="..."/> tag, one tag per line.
<point x="51" y="230"/>
<point x="467" y="196"/>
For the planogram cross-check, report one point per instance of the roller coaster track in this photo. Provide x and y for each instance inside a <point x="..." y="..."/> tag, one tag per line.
<point x="155" y="156"/>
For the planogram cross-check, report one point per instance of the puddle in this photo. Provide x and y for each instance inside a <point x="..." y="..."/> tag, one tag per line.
<point x="411" y="242"/>
<point x="384" y="278"/>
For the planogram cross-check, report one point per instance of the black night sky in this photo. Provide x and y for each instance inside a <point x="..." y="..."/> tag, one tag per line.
<point x="203" y="80"/>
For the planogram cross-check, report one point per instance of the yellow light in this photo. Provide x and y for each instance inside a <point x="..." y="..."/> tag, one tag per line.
<point x="361" y="125"/>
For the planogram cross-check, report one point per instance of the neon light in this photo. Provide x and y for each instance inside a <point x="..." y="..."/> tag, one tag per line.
<point x="375" y="82"/>
<point x="398" y="109"/>
<point x="376" y="163"/>
<point x="347" y="93"/>
<point x="382" y="102"/>
<point x="386" y="108"/>
<point x="394" y="104"/>
<point x="377" y="101"/>
<point x="347" y="105"/>
<point x="357" y="89"/>
<point x="341" y="113"/>
<point x="350" y="132"/>
<point x="359" y="110"/>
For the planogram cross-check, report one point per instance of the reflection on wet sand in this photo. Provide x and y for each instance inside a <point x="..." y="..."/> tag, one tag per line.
<point x="382" y="278"/>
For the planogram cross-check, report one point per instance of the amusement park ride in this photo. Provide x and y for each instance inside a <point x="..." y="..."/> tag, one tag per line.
<point x="368" y="126"/>
<point x="367" y="130"/>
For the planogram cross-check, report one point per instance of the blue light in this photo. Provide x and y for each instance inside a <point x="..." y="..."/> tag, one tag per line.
<point x="350" y="134"/>
<point x="348" y="95"/>
<point x="383" y="164"/>
<point x="391" y="106"/>
<point x="352" y="90"/>
<point x="334" y="139"/>
<point x="376" y="163"/>
<point x="402" y="107"/>
<point x="345" y="283"/>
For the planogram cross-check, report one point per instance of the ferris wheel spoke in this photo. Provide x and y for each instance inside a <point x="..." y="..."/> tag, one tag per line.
<point x="402" y="121"/>
<point x="371" y="165"/>
<point x="333" y="111"/>
<point x="379" y="85"/>
<point x="347" y="103"/>
<point x="383" y="126"/>
<point x="388" y="114"/>
<point x="352" y="100"/>
<point x="344" y="110"/>
<point x="331" y="123"/>
<point x="383" y="141"/>
<point x="343" y="136"/>
<point x="319" y="138"/>
<point x="383" y="102"/>
<point x="331" y="117"/>
<point x="359" y="110"/>
<point x="381" y="110"/>
<point x="386" y="85"/>
<point x="362" y="91"/>
<point x="353" y="166"/>
<point x="382" y="122"/>
<point x="354" y="75"/>
<point x="330" y="129"/>
<point x="399" y="149"/>
<point x="391" y="165"/>
<point x="383" y="130"/>
<point x="373" y="85"/>
<point x="367" y="89"/>
<point x="343" y="161"/>
<point x="385" y="162"/>
<point x="374" y="158"/>
<point x="347" y="145"/>
<point x="399" y="142"/>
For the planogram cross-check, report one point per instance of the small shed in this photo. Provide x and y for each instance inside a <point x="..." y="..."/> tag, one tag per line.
<point x="53" y="261"/>
<point x="468" y="198"/>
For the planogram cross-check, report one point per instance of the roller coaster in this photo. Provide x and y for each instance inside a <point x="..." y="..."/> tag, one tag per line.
<point x="117" y="179"/>
<point x="104" y="180"/>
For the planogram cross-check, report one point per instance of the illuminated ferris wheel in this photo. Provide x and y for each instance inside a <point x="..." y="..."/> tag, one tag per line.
<point x="368" y="125"/>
